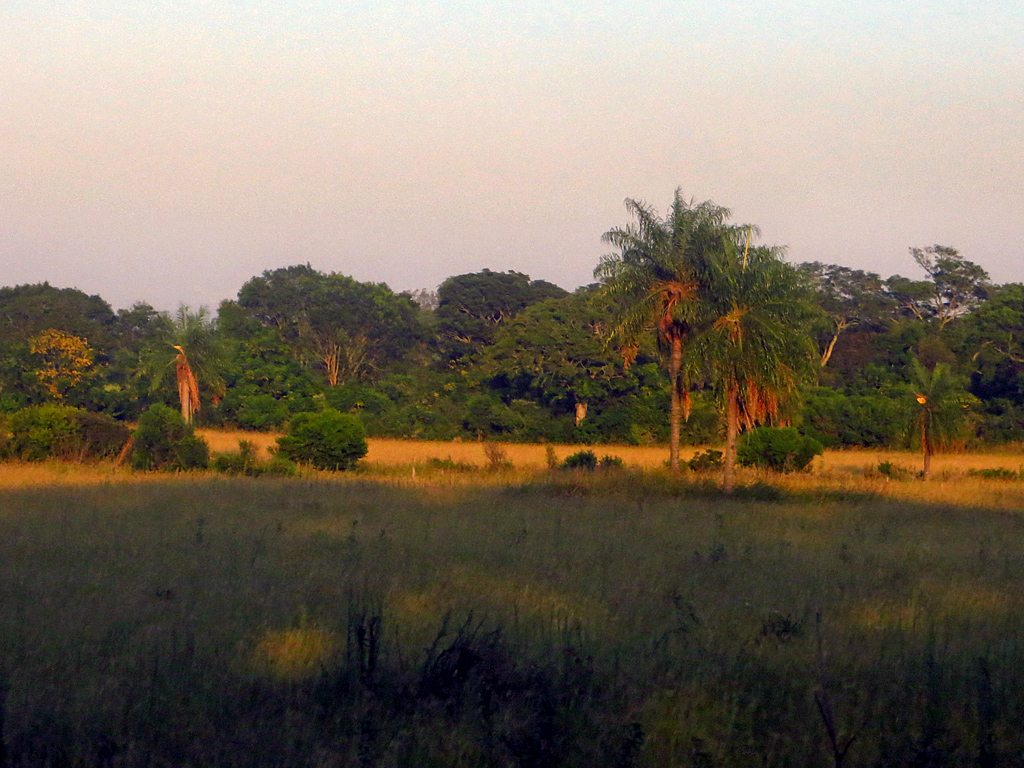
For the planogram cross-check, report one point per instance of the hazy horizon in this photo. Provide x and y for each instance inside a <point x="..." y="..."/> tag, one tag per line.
<point x="167" y="152"/>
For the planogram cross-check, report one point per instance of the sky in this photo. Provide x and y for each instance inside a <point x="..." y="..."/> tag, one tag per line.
<point x="167" y="151"/>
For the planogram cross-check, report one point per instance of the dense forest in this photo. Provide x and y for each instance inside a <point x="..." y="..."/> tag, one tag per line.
<point x="499" y="356"/>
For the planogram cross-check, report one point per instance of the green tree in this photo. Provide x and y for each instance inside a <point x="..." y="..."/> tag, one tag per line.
<point x="849" y="298"/>
<point x="656" y="283"/>
<point x="554" y="352"/>
<point x="755" y="340"/>
<point x="350" y="329"/>
<point x="472" y="307"/>
<point x="940" y="408"/>
<point x="199" y="359"/>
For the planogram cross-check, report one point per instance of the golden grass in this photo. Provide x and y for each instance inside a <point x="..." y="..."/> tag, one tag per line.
<point x="404" y="463"/>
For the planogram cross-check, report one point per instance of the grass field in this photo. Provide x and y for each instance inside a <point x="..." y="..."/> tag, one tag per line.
<point x="512" y="618"/>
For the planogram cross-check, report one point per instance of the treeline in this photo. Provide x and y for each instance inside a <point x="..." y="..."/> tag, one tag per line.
<point x="499" y="356"/>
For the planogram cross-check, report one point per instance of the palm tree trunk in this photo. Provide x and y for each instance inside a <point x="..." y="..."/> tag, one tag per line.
<point x="676" y="415"/>
<point x="926" y="446"/>
<point x="732" y="429"/>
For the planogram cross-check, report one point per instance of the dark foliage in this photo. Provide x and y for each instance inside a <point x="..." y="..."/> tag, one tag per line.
<point x="164" y="441"/>
<point x="327" y="440"/>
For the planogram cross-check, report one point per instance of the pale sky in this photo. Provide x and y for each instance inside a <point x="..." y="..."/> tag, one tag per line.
<point x="169" y="150"/>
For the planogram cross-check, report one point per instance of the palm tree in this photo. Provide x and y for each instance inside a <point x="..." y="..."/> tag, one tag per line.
<point x="756" y="344"/>
<point x="199" y="358"/>
<point x="656" y="282"/>
<point x="940" y="409"/>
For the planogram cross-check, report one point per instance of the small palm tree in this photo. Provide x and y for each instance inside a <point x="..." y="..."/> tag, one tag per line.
<point x="655" y="284"/>
<point x="940" y="408"/>
<point x="756" y="347"/>
<point x="199" y="359"/>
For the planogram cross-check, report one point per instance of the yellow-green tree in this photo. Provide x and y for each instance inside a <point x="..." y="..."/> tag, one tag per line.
<point x="66" y="360"/>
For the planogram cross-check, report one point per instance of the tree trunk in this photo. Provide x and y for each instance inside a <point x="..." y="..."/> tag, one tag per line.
<point x="926" y="447"/>
<point x="676" y="415"/>
<point x="732" y="429"/>
<point x="827" y="354"/>
<point x="188" y="388"/>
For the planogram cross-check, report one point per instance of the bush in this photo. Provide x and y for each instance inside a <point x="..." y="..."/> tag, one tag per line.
<point x="893" y="471"/>
<point x="997" y="473"/>
<point x="583" y="460"/>
<point x="327" y="440"/>
<point x="611" y="462"/>
<point x="56" y="431"/>
<point x="248" y="463"/>
<point x="164" y="441"/>
<point x="708" y="461"/>
<point x="780" y="449"/>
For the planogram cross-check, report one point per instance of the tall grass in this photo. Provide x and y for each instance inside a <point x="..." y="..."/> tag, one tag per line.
<point x="555" y="619"/>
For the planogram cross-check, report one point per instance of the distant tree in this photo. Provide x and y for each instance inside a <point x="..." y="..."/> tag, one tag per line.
<point x="66" y="360"/>
<point x="954" y="286"/>
<point x="940" y="409"/>
<point x="555" y="351"/>
<point x="849" y="298"/>
<point x="349" y="328"/>
<point x="26" y="310"/>
<point x="198" y="359"/>
<point x="472" y="307"/>
<point x="656" y="284"/>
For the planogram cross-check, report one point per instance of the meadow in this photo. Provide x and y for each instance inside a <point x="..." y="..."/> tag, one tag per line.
<point x="420" y="613"/>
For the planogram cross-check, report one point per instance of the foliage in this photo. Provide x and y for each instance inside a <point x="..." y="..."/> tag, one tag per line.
<point x="940" y="410"/>
<point x="586" y="460"/>
<point x="706" y="461"/>
<point x="780" y="449"/>
<point x="658" y="283"/>
<point x="839" y="420"/>
<point x="497" y="457"/>
<point x="998" y="473"/>
<point x="247" y="462"/>
<point x="892" y="471"/>
<point x="164" y="441"/>
<point x="472" y="307"/>
<point x="66" y="360"/>
<point x="351" y="329"/>
<point x="56" y="431"/>
<point x="326" y="440"/>
<point x="849" y="298"/>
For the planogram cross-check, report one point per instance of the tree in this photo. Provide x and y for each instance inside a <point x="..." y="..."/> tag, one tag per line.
<point x="199" y="359"/>
<point x="472" y="307"/>
<point x="940" y="409"/>
<point x="754" y="342"/>
<point x="954" y="286"/>
<point x="66" y="360"/>
<point x="554" y="351"/>
<point x="849" y="298"/>
<point x="656" y="282"/>
<point x="349" y="328"/>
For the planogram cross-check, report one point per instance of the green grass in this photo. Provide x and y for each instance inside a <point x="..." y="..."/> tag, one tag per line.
<point x="604" y="620"/>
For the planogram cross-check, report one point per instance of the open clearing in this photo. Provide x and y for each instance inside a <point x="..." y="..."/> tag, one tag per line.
<point x="515" y="618"/>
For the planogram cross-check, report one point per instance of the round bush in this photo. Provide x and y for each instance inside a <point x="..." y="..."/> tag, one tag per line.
<point x="780" y="449"/>
<point x="164" y="441"/>
<point x="57" y="431"/>
<point x="327" y="440"/>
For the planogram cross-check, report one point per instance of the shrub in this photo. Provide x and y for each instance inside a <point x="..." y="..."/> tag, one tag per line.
<point x="893" y="471"/>
<point x="780" y="449"/>
<point x="707" y="461"/>
<point x="583" y="460"/>
<point x="164" y="441"/>
<point x="497" y="458"/>
<point x="997" y="473"/>
<point x="327" y="440"/>
<point x="611" y="462"/>
<point x="248" y="463"/>
<point x="57" y="431"/>
<point x="450" y="465"/>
